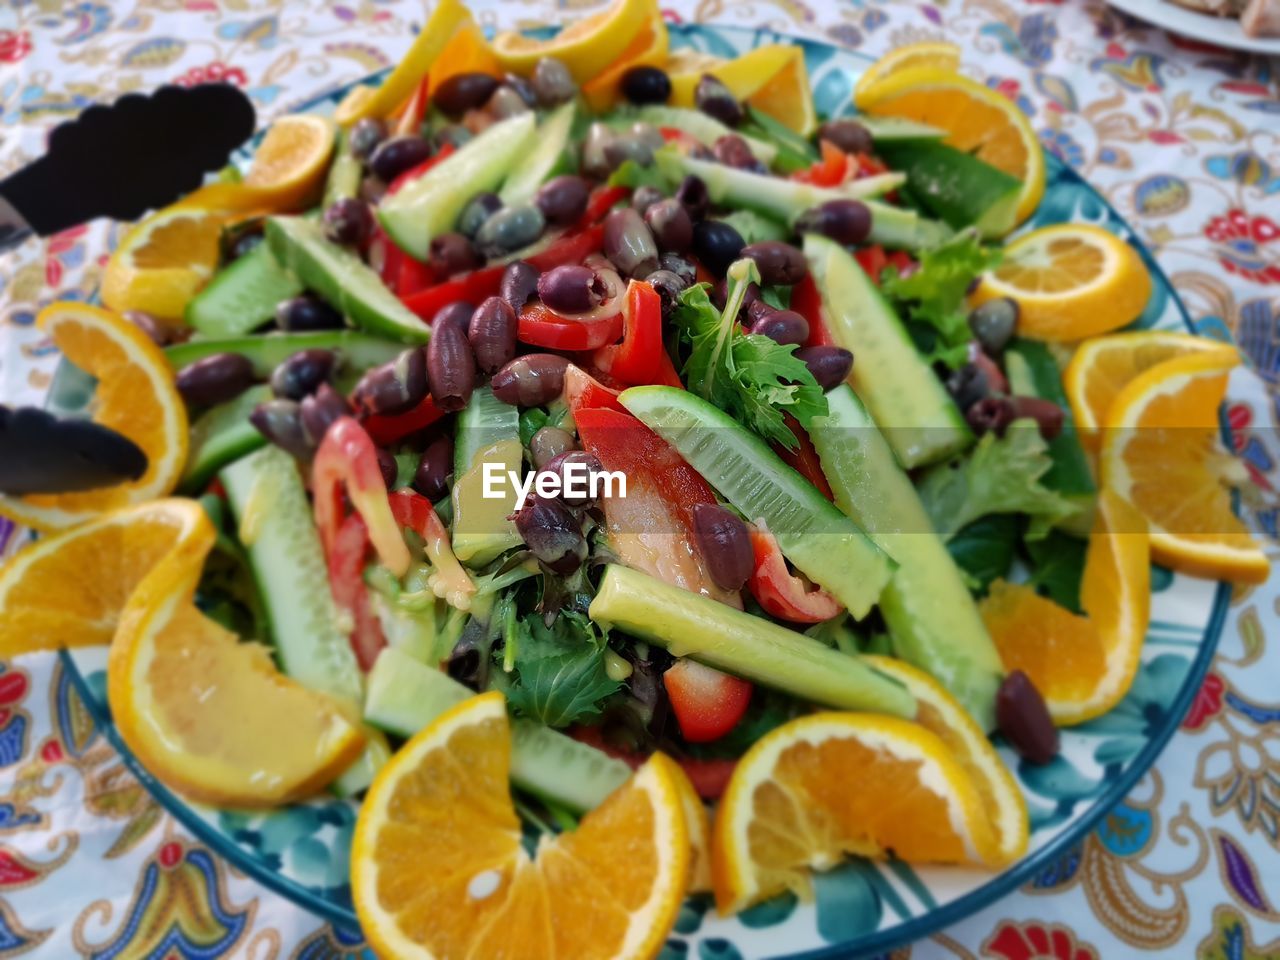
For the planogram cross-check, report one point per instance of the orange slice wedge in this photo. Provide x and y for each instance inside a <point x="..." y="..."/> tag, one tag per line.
<point x="588" y="47"/>
<point x="772" y="78"/>
<point x="933" y="53"/>
<point x="289" y="166"/>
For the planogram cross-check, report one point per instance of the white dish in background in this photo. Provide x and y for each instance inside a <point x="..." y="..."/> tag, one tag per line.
<point x="1204" y="27"/>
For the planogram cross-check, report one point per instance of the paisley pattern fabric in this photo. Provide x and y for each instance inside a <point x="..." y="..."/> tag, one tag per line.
<point x="1180" y="138"/>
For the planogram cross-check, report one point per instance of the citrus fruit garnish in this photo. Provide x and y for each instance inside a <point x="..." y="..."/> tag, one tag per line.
<point x="1102" y="366"/>
<point x="648" y="48"/>
<point x="193" y="702"/>
<point x="699" y="824"/>
<point x="978" y="120"/>
<point x="438" y="870"/>
<point x="587" y="47"/>
<point x="163" y="262"/>
<point x="929" y="53"/>
<point x="466" y="52"/>
<point x="830" y="784"/>
<point x="289" y="165"/>
<point x="1082" y="665"/>
<point x="43" y="601"/>
<point x="940" y="712"/>
<point x="1071" y="281"/>
<point x="771" y="78"/>
<point x="135" y="396"/>
<point x="1161" y="449"/>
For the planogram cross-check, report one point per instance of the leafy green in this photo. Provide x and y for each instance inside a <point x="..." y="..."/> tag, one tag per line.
<point x="984" y="549"/>
<point x="794" y="151"/>
<point x="631" y="174"/>
<point x="531" y="421"/>
<point x="1057" y="564"/>
<point x="560" y="676"/>
<point x="998" y="475"/>
<point x="935" y="293"/>
<point x="750" y="377"/>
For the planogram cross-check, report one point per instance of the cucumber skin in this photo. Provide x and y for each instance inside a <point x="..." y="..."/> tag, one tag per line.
<point x="932" y="618"/>
<point x="221" y="435"/>
<point x="823" y="543"/>
<point x="689" y="624"/>
<point x="892" y="129"/>
<point x="888" y="372"/>
<point x="405" y="695"/>
<point x="343" y="279"/>
<point x="359" y="351"/>
<point x="553" y="133"/>
<point x="956" y="186"/>
<point x="222" y="310"/>
<point x="1070" y="473"/>
<point x="484" y="421"/>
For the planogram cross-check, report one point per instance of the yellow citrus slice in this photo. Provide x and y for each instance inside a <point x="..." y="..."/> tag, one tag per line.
<point x="438" y="870"/>
<point x="435" y="35"/>
<point x="931" y="53"/>
<point x="831" y="784"/>
<point x="1082" y="665"/>
<point x="941" y="713"/>
<point x="649" y="48"/>
<point x="977" y="119"/>
<point x="193" y="703"/>
<point x="289" y="166"/>
<point x="588" y="46"/>
<point x="1161" y="450"/>
<point x="466" y="52"/>
<point x="1071" y="281"/>
<point x="135" y="396"/>
<point x="164" y="261"/>
<point x="1102" y="366"/>
<point x="43" y="601"/>
<point x="771" y="78"/>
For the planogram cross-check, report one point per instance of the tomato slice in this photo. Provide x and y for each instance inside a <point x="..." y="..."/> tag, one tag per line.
<point x="707" y="703"/>
<point x="539" y="327"/>
<point x="781" y="593"/>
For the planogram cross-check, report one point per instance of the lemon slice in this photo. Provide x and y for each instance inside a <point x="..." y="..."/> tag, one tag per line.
<point x="587" y="47"/>
<point x="771" y="78"/>
<point x="933" y="53"/>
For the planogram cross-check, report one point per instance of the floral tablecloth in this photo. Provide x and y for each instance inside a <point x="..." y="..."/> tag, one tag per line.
<point x="1183" y="139"/>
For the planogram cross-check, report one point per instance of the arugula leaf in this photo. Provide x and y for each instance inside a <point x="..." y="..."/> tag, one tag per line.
<point x="559" y="670"/>
<point x="752" y="378"/>
<point x="999" y="475"/>
<point x="935" y="293"/>
<point x="1057" y="565"/>
<point x="983" y="549"/>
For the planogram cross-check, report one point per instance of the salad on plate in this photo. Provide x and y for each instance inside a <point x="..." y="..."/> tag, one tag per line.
<point x="624" y="482"/>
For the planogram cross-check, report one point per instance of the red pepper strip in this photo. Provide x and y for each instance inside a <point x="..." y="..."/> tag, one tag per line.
<point x="347" y="458"/>
<point x="807" y="301"/>
<point x="869" y="166"/>
<point x="477" y="285"/>
<point x="678" y="136"/>
<point x="637" y="360"/>
<point x="346" y="582"/>
<point x="386" y="430"/>
<point x="832" y="170"/>
<point x="902" y="260"/>
<point x="539" y="327"/>
<point x="707" y="703"/>
<point x="781" y="593"/>
<point x="599" y="203"/>
<point x="415" y="511"/>
<point x="414" y="276"/>
<point x="409" y="115"/>
<point x="804" y="459"/>
<point x="873" y="260"/>
<point x="582" y="391"/>
<point x="413" y="173"/>
<point x="709" y="777"/>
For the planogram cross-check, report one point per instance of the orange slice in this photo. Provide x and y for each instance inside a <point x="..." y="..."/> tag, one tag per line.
<point x="649" y="48"/>
<point x="289" y="166"/>
<point x="588" y="47"/>
<point x="699" y="824"/>
<point x="438" y="871"/>
<point x="772" y="78"/>
<point x="1082" y="665"/>
<point x="977" y="119"/>
<point x="831" y="784"/>
<point x="941" y="713"/>
<point x="1103" y="366"/>
<point x="193" y="702"/>
<point x="43" y="601"/>
<point x="933" y="53"/>
<point x="1161" y="450"/>
<point x="164" y="261"/>
<point x="135" y="396"/>
<point x="466" y="52"/>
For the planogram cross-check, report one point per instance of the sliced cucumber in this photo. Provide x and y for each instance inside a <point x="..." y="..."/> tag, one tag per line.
<point x="890" y="129"/>
<point x="405" y="695"/>
<point x="242" y="296"/>
<point x="931" y="616"/>
<point x="271" y="508"/>
<point x="703" y="127"/>
<point x="359" y="351"/>
<point x="343" y="279"/>
<point x="955" y="186"/>
<point x="488" y="433"/>
<point x="220" y="435"/>
<point x="429" y="206"/>
<point x="905" y="397"/>
<point x="343" y="182"/>
<point x="544" y="161"/>
<point x="787" y="199"/>
<point x="821" y="541"/>
<point x="691" y="625"/>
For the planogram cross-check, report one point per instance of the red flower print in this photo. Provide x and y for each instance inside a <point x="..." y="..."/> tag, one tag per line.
<point x="215" y="72"/>
<point x="14" y="45"/>
<point x="1207" y="704"/>
<point x="1247" y="245"/>
<point x="1036" y="941"/>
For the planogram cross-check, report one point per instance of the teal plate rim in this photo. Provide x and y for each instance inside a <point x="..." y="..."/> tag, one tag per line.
<point x="897" y="935"/>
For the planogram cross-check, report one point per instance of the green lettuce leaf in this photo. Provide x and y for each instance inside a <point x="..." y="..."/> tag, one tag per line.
<point x="560" y="676"/>
<point x="998" y="475"/>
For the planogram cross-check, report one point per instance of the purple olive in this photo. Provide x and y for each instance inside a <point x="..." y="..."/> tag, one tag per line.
<point x="1049" y="417"/>
<point x="279" y="421"/>
<point x="431" y="478"/>
<point x="552" y="533"/>
<point x="318" y="412"/>
<point x="348" y="222"/>
<point x="562" y="199"/>
<point x="725" y="543"/>
<point x="830" y="366"/>
<point x="571" y="289"/>
<point x="215" y="379"/>
<point x="781" y="326"/>
<point x="844" y="221"/>
<point x="991" y="415"/>
<point x="395" y="387"/>
<point x="463" y="92"/>
<point x="1023" y="718"/>
<point x="387" y="464"/>
<point x="519" y="283"/>
<point x="302" y="373"/>
<point x="530" y="381"/>
<point x="492" y="334"/>
<point x="451" y="367"/>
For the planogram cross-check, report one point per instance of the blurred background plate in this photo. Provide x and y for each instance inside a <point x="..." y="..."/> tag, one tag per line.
<point x="1202" y="27"/>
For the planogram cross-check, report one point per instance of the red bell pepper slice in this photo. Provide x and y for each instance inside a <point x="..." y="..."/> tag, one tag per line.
<point x="583" y="391"/>
<point x="385" y="430"/>
<point x="346" y="556"/>
<point x="539" y="327"/>
<point x="707" y="703"/>
<point x="873" y="260"/>
<point x="599" y="203"/>
<point x="413" y="510"/>
<point x="804" y="459"/>
<point x="806" y="300"/>
<point x="780" y="592"/>
<point x="637" y="360"/>
<point x="347" y="458"/>
<point x="710" y="777"/>
<point x="831" y="171"/>
<point x="679" y="137"/>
